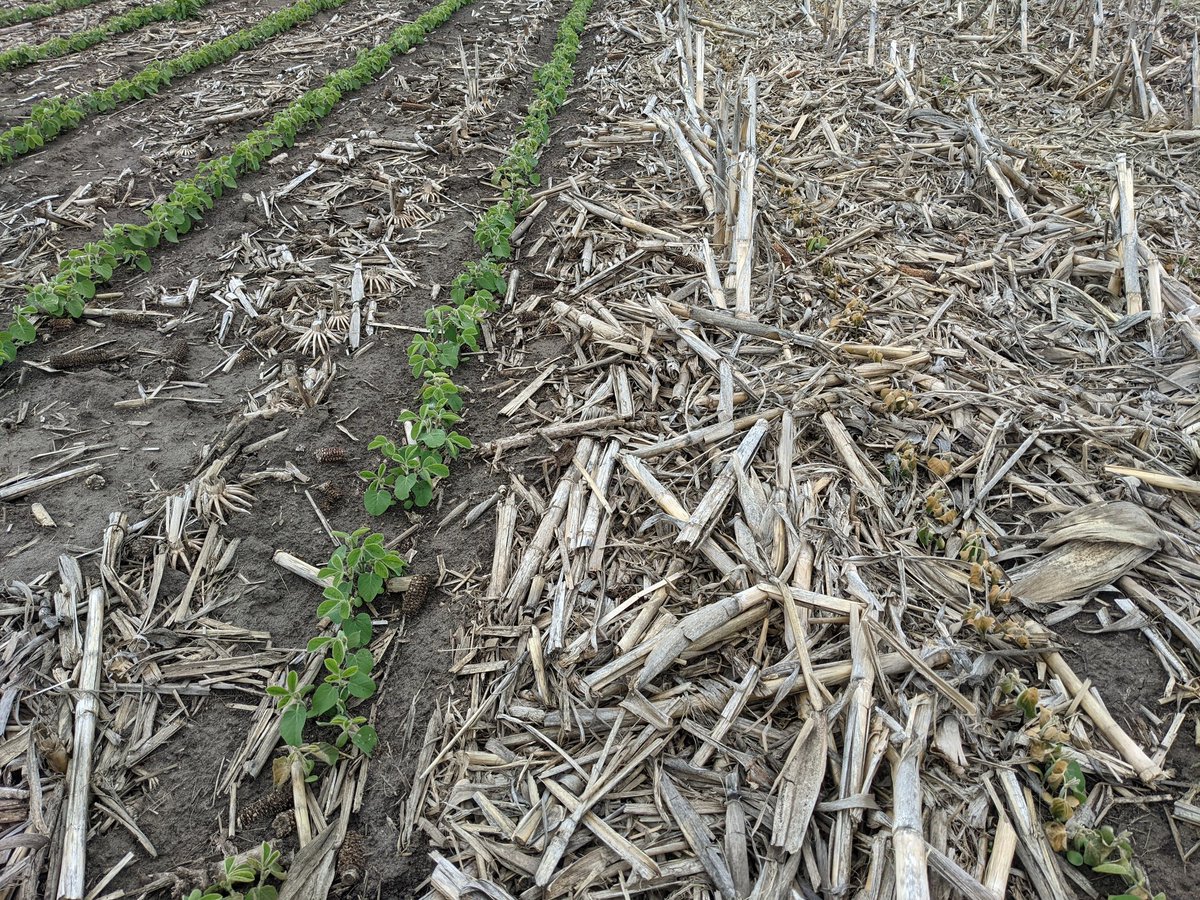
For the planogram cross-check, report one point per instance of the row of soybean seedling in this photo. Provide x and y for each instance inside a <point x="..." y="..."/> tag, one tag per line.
<point x="360" y="567"/>
<point x="138" y="17"/>
<point x="1044" y="730"/>
<point x="55" y="115"/>
<point x="83" y="269"/>
<point x="410" y="469"/>
<point x="40" y="11"/>
<point x="356" y="574"/>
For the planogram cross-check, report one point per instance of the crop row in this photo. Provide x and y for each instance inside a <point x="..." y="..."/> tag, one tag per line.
<point x="138" y="17"/>
<point x="361" y="565"/>
<point x="84" y="269"/>
<point x="354" y="576"/>
<point x="409" y="471"/>
<point x="51" y="117"/>
<point x="40" y="11"/>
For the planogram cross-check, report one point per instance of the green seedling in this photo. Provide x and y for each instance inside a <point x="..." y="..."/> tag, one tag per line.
<point x="308" y="755"/>
<point x="458" y="325"/>
<point x="494" y="227"/>
<point x="1064" y="790"/>
<point x="427" y="356"/>
<point x="407" y="476"/>
<point x="816" y="243"/>
<point x="356" y="731"/>
<point x="348" y="676"/>
<point x="357" y="572"/>
<point x="293" y="708"/>
<point x="245" y="878"/>
<point x="429" y="429"/>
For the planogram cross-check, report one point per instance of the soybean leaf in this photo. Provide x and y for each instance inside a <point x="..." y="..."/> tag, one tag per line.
<point x="323" y="700"/>
<point x="291" y="724"/>
<point x="365" y="739"/>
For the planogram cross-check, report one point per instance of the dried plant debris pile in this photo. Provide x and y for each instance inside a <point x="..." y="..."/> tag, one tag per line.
<point x="876" y="405"/>
<point x="824" y="521"/>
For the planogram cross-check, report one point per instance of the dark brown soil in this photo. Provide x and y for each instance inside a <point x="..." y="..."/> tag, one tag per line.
<point x="1127" y="673"/>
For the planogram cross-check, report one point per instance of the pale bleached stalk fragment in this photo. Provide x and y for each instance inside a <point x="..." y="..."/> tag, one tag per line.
<point x="1040" y="863"/>
<point x="798" y="787"/>
<point x="1092" y="704"/>
<point x="853" y="750"/>
<point x="999" y="864"/>
<point x="673" y="508"/>
<point x="1016" y="211"/>
<point x="704" y="516"/>
<point x="531" y="560"/>
<point x="695" y="628"/>
<point x="629" y="758"/>
<point x="908" y="835"/>
<point x="506" y="524"/>
<point x="699" y="837"/>
<point x="1129" y="237"/>
<point x="72" y="877"/>
<point x="743" y="235"/>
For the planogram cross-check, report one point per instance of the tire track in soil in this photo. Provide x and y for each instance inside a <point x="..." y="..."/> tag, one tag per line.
<point x="275" y="607"/>
<point x="122" y="56"/>
<point x="140" y="150"/>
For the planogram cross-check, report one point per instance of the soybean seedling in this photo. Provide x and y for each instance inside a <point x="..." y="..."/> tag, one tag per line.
<point x="246" y="877"/>
<point x="357" y="572"/>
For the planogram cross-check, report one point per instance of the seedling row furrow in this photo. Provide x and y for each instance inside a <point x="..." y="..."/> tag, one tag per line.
<point x="83" y="270"/>
<point x="410" y="471"/>
<point x="329" y="702"/>
<point x="35" y="11"/>
<point x="359" y="568"/>
<point x="143" y="151"/>
<point x="409" y="181"/>
<point x="55" y="116"/>
<point x="254" y="85"/>
<point x="200" y="115"/>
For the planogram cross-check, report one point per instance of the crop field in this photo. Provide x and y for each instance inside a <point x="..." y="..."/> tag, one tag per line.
<point x="600" y="449"/>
